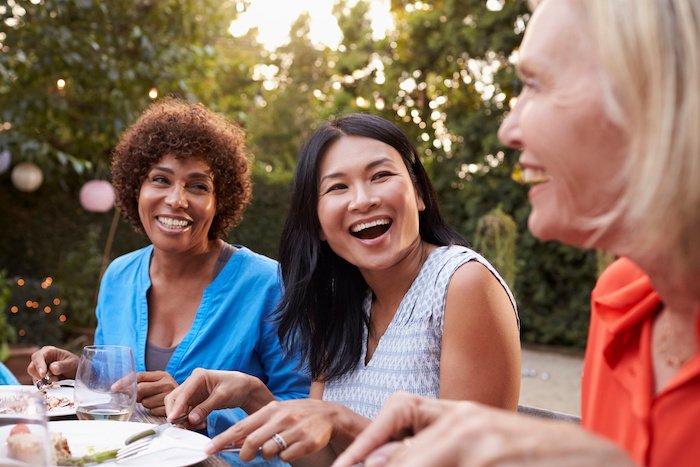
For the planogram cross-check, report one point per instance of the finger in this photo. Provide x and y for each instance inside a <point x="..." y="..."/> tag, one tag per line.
<point x="154" y="401"/>
<point x="421" y="450"/>
<point x="38" y="366"/>
<point x="190" y="393"/>
<point x="221" y="441"/>
<point x="395" y="418"/>
<point x="241" y="430"/>
<point x="149" y="376"/>
<point x="381" y="456"/>
<point x="158" y="411"/>
<point x="66" y="366"/>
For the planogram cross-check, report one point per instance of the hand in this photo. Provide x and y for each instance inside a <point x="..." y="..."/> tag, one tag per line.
<point x="57" y="362"/>
<point x="151" y="389"/>
<point x="453" y="433"/>
<point x="305" y="425"/>
<point x="208" y="390"/>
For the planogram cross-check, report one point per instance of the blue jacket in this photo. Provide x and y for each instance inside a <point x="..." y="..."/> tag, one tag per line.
<point x="232" y="329"/>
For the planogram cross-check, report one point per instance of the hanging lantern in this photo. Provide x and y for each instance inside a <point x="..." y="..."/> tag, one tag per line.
<point x="97" y="196"/>
<point x="27" y="177"/>
<point x="5" y="161"/>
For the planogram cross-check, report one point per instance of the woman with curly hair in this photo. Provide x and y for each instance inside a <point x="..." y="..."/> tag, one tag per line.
<point x="189" y="299"/>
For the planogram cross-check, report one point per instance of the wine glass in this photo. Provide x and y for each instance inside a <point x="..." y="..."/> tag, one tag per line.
<point x="23" y="428"/>
<point x="105" y="383"/>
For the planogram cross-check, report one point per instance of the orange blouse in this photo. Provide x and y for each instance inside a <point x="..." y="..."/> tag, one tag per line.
<point x="618" y="399"/>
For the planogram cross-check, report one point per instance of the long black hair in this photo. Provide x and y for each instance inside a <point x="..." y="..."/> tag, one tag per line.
<point x="321" y="311"/>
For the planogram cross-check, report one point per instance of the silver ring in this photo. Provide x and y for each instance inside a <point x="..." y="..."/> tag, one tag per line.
<point x="281" y="443"/>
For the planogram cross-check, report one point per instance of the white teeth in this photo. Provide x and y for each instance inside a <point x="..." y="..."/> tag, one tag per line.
<point x="534" y="175"/>
<point x="170" y="222"/>
<point x="358" y="227"/>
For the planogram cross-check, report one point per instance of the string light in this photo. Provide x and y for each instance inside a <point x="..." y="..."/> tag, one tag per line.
<point x="153" y="93"/>
<point x="14" y="309"/>
<point x="61" y="84"/>
<point x="20" y="282"/>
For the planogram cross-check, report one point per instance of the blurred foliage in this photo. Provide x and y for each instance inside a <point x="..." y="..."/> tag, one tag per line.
<point x="495" y="237"/>
<point x="7" y="332"/>
<point x="36" y="311"/>
<point x="444" y="74"/>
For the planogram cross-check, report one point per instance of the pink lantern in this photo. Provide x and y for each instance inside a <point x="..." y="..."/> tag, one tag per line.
<point x="27" y="177"/>
<point x="97" y="196"/>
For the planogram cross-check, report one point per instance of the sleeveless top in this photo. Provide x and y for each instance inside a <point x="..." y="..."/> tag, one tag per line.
<point x="407" y="357"/>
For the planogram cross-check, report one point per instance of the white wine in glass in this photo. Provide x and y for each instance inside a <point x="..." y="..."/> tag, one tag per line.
<point x="105" y="383"/>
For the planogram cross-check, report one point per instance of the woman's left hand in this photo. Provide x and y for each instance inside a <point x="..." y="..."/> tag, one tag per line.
<point x="151" y="389"/>
<point x="301" y="427"/>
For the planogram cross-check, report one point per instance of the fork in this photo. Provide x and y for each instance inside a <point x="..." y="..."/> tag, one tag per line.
<point x="141" y="446"/>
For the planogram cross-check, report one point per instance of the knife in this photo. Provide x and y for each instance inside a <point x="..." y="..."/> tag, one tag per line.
<point x="156" y="430"/>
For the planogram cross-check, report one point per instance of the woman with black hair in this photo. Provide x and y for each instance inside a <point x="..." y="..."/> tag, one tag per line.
<point x="380" y="295"/>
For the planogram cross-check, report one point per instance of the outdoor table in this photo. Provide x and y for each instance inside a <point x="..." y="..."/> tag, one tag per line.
<point x="141" y="415"/>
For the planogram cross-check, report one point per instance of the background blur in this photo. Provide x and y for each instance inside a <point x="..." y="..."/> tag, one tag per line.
<point x="75" y="73"/>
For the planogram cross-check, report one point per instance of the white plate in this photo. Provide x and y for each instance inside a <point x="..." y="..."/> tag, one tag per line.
<point x="175" y="447"/>
<point x="56" y="392"/>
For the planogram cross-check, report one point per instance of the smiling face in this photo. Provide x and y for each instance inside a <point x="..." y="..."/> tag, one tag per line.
<point x="368" y="206"/>
<point x="177" y="204"/>
<point x="570" y="147"/>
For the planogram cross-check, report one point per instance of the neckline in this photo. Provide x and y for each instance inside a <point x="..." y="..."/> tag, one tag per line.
<point x="367" y="308"/>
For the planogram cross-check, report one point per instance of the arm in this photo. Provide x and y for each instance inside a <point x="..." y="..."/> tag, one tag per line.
<point x="452" y="433"/>
<point x="480" y="358"/>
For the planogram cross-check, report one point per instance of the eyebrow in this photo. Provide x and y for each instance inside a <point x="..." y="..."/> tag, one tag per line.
<point x="369" y="166"/>
<point x="189" y="176"/>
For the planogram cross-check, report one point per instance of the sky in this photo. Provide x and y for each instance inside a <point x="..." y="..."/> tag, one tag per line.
<point x="274" y="18"/>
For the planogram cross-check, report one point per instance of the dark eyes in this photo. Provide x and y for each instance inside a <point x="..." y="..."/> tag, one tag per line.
<point x="192" y="186"/>
<point x="380" y="175"/>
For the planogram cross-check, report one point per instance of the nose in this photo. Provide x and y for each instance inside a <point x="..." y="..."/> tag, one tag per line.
<point x="510" y="133"/>
<point x="363" y="199"/>
<point x="177" y="197"/>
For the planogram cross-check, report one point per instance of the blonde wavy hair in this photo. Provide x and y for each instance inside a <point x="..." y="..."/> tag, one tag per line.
<point x="650" y="50"/>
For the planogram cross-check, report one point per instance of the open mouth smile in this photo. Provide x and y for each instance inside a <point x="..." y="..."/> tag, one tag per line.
<point x="370" y="230"/>
<point x="172" y="223"/>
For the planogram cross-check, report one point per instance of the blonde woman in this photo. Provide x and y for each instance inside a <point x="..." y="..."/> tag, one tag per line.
<point x="609" y="126"/>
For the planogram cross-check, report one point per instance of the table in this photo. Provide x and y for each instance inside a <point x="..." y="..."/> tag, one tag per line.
<point x="141" y="414"/>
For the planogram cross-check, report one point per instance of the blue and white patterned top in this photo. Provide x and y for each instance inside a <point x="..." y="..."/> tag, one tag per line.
<point x="407" y="357"/>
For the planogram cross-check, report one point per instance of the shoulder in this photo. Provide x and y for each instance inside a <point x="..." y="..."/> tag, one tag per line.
<point x="475" y="275"/>
<point x="129" y="262"/>
<point x="621" y="273"/>
<point x="250" y="257"/>
<point x="253" y="269"/>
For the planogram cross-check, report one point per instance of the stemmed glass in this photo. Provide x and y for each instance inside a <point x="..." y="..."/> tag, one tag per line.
<point x="105" y="383"/>
<point x="23" y="429"/>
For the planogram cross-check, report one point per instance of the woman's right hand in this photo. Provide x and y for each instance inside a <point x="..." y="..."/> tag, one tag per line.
<point x="208" y="390"/>
<point x="461" y="433"/>
<point x="57" y="362"/>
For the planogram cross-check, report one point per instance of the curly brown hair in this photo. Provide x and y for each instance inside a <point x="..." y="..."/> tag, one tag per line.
<point x="184" y="130"/>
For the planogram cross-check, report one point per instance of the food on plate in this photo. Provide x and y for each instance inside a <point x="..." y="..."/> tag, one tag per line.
<point x="25" y="446"/>
<point x="53" y="401"/>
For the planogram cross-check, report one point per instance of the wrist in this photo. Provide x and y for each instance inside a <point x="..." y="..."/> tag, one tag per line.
<point x="346" y="425"/>
<point x="257" y="395"/>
